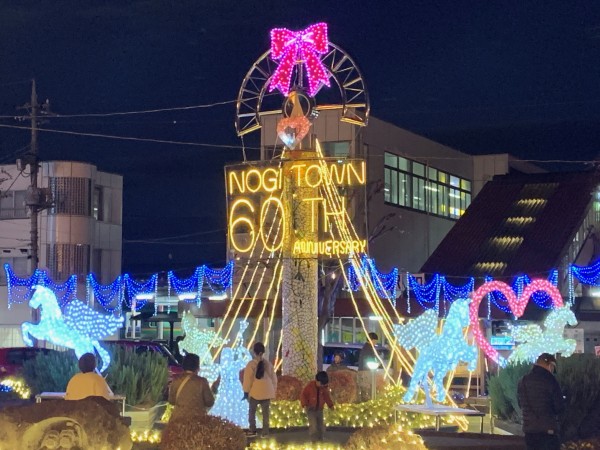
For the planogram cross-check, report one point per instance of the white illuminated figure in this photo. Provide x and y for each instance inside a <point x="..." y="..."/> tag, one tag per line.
<point x="532" y="341"/>
<point x="199" y="341"/>
<point x="438" y="353"/>
<point x="79" y="327"/>
<point x="229" y="403"/>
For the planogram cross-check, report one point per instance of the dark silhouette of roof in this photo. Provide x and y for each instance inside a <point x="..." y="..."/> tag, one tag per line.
<point x="517" y="224"/>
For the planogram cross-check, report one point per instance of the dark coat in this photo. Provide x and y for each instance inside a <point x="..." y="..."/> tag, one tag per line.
<point x="541" y="401"/>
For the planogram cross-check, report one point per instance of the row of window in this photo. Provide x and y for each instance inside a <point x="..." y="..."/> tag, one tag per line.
<point x="71" y="196"/>
<point x="414" y="185"/>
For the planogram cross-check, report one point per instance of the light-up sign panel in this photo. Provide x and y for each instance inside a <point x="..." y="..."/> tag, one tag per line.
<point x="264" y="200"/>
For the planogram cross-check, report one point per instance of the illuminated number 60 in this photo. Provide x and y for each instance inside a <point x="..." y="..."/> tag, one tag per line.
<point x="233" y="223"/>
<point x="279" y="229"/>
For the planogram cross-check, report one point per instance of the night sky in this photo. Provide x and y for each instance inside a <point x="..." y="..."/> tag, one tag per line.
<point x="521" y="77"/>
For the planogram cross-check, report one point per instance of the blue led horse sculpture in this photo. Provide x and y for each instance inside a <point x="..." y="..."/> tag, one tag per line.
<point x="79" y="327"/>
<point x="438" y="353"/>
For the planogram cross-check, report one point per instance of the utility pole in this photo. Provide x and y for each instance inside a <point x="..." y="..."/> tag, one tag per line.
<point x="37" y="199"/>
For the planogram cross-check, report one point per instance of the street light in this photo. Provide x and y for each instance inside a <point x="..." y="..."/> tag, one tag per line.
<point x="373" y="366"/>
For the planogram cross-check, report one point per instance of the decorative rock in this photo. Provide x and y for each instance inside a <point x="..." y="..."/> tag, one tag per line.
<point x="91" y="424"/>
<point x="343" y="386"/>
<point x="289" y="388"/>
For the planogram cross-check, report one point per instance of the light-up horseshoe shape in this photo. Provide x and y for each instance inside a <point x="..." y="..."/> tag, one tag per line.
<point x="516" y="305"/>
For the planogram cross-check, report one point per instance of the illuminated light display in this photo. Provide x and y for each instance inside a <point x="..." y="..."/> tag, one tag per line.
<point x="20" y="290"/>
<point x="79" y="328"/>
<point x="250" y="216"/>
<point x="532" y="341"/>
<point x="329" y="247"/>
<point x="17" y="386"/>
<point x="105" y="295"/>
<point x="438" y="353"/>
<point x="228" y="402"/>
<point x="386" y="284"/>
<point x="291" y="130"/>
<point x="516" y="304"/>
<point x="293" y="47"/>
<point x="305" y="174"/>
<point x="200" y="341"/>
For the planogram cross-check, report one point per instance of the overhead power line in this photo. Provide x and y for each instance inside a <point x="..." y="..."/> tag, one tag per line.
<point x="130" y="138"/>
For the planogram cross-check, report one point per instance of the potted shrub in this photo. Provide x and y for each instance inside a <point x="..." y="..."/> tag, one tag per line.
<point x="141" y="378"/>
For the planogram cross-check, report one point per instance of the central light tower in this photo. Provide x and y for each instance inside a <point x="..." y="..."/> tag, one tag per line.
<point x="283" y="211"/>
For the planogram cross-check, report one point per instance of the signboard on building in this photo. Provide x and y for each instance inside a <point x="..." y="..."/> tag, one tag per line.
<point x="263" y="199"/>
<point x="578" y="335"/>
<point x="597" y="350"/>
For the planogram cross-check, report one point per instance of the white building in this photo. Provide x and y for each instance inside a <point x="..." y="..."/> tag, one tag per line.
<point x="416" y="188"/>
<point x="80" y="233"/>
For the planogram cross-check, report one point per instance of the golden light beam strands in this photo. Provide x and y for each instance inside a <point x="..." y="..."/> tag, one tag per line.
<point x="279" y="361"/>
<point x="249" y="286"/>
<point x="334" y="197"/>
<point x="368" y="287"/>
<point x="273" y="309"/>
<point x="276" y="280"/>
<point x="240" y="285"/>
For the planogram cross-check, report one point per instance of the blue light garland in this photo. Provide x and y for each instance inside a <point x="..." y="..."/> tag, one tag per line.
<point x="134" y="289"/>
<point x="106" y="294"/>
<point x="20" y="290"/>
<point x="587" y="274"/>
<point x="386" y="284"/>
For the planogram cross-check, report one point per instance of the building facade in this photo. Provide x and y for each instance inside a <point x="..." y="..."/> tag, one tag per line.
<point x="80" y="233"/>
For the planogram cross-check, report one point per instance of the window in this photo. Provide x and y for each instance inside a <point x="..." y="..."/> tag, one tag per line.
<point x="98" y="203"/>
<point x="67" y="259"/>
<point x="414" y="185"/>
<point x="12" y="205"/>
<point x="71" y="195"/>
<point x="339" y="149"/>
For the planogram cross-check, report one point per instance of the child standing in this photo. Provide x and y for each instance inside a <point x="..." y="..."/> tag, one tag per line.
<point x="313" y="399"/>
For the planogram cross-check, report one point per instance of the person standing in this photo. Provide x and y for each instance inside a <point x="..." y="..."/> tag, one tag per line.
<point x="541" y="401"/>
<point x="88" y="383"/>
<point x="368" y="352"/>
<point x="260" y="387"/>
<point x="313" y="399"/>
<point x="189" y="392"/>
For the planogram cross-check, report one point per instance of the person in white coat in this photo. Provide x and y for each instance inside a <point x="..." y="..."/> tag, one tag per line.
<point x="260" y="386"/>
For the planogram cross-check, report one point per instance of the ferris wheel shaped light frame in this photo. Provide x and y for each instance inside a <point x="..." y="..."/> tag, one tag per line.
<point x="354" y="98"/>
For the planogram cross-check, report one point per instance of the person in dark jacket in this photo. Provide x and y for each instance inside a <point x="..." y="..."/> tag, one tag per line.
<point x="313" y="399"/>
<point x="368" y="352"/>
<point x="541" y="401"/>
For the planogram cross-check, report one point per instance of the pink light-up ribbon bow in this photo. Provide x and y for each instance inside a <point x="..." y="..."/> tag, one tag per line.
<point x="289" y="47"/>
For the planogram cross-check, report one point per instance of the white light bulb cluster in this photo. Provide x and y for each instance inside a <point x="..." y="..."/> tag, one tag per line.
<point x="532" y="341"/>
<point x="438" y="353"/>
<point x="229" y="403"/>
<point x="79" y="328"/>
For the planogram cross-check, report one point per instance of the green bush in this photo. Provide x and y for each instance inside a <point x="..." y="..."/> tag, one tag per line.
<point x="503" y="391"/>
<point x="50" y="372"/>
<point x="141" y="377"/>
<point x="579" y="378"/>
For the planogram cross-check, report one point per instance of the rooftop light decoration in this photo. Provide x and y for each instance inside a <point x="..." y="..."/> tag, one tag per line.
<point x="305" y="47"/>
<point x="440" y="352"/>
<point x="79" y="327"/>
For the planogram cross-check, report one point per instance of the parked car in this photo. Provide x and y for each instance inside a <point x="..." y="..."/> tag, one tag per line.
<point x="351" y="353"/>
<point x="13" y="358"/>
<point x="140" y="346"/>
